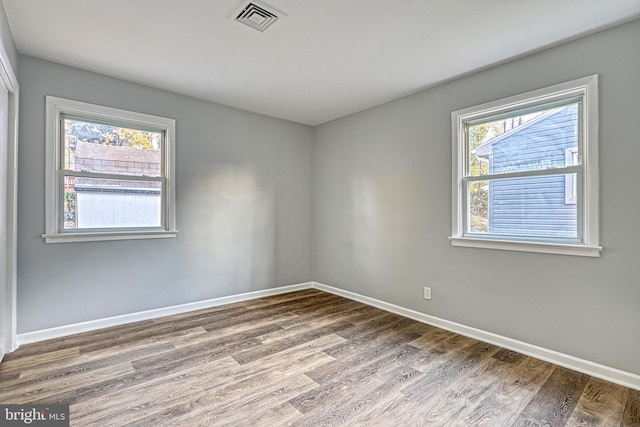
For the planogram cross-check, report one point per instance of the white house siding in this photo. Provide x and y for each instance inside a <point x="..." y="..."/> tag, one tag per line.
<point x="97" y="209"/>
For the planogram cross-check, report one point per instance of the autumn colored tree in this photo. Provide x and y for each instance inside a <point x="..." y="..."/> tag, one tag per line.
<point x="112" y="135"/>
<point x="478" y="190"/>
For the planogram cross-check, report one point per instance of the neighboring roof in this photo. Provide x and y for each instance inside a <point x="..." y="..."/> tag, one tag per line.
<point x="95" y="157"/>
<point x="484" y="150"/>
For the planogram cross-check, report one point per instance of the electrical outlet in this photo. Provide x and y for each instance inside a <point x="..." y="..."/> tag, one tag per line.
<point x="427" y="293"/>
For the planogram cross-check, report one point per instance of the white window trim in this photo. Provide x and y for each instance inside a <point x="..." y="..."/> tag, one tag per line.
<point x="587" y="88"/>
<point x="55" y="107"/>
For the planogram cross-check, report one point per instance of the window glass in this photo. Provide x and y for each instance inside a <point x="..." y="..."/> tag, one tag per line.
<point x="100" y="148"/>
<point x="523" y="142"/>
<point x="522" y="207"/>
<point x="93" y="203"/>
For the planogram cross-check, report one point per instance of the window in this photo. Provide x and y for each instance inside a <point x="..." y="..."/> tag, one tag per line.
<point x="525" y="172"/>
<point x="109" y="173"/>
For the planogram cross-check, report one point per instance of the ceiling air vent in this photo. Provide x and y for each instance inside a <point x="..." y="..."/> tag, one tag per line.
<point x="256" y="14"/>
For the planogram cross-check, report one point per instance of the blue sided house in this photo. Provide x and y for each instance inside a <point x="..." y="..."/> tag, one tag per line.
<point x="534" y="205"/>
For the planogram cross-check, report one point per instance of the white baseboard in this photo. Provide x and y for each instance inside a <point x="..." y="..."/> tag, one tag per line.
<point x="593" y="369"/>
<point x="92" y="325"/>
<point x="613" y="375"/>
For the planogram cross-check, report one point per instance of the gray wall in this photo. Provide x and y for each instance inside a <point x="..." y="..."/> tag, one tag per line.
<point x="243" y="208"/>
<point x="382" y="211"/>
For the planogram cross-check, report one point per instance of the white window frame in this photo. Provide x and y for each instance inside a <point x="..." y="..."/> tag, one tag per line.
<point x="55" y="109"/>
<point x="586" y="89"/>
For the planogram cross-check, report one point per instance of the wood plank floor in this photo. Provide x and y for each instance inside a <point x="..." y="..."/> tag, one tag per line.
<point x="306" y="358"/>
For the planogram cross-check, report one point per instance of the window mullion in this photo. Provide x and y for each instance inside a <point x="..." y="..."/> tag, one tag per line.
<point x="95" y="175"/>
<point x="524" y="174"/>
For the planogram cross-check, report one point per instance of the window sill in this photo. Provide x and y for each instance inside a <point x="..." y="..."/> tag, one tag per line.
<point x="103" y="236"/>
<point x="538" y="247"/>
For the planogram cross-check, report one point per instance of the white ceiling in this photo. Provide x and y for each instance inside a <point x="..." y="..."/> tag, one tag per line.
<point x="324" y="60"/>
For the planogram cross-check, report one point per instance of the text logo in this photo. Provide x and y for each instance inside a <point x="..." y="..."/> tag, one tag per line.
<point x="34" y="415"/>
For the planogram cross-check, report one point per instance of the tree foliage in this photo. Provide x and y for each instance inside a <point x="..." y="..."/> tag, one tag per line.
<point x="478" y="190"/>
<point x="96" y="133"/>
